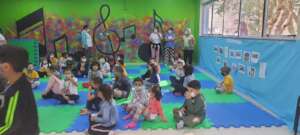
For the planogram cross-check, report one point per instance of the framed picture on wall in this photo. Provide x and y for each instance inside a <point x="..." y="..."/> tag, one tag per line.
<point x="242" y="68"/>
<point x="234" y="67"/>
<point x="231" y="54"/>
<point x="238" y="54"/>
<point x="226" y="49"/>
<point x="246" y="57"/>
<point x="251" y="71"/>
<point x="221" y="50"/>
<point x="255" y="57"/>
<point x="218" y="60"/>
<point x="216" y="49"/>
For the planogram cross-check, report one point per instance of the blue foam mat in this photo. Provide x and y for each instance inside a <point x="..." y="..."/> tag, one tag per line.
<point x="169" y="97"/>
<point x="207" y="84"/>
<point x="238" y="115"/>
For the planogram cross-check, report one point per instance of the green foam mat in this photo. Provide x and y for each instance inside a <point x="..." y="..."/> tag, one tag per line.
<point x="201" y="76"/>
<point x="212" y="97"/>
<point x="171" y="124"/>
<point x="81" y="88"/>
<point x="37" y="95"/>
<point x="65" y="114"/>
<point x="44" y="80"/>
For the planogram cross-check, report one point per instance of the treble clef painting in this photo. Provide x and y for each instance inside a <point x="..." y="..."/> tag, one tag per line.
<point x="106" y="40"/>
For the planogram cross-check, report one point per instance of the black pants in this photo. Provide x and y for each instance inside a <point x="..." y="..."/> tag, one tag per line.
<point x="98" y="130"/>
<point x="43" y="74"/>
<point x="93" y="105"/>
<point x="188" y="56"/>
<point x="178" y="85"/>
<point x="51" y="95"/>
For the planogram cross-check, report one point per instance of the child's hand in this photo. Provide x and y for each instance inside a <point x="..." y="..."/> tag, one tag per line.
<point x="196" y="120"/>
<point x="93" y="117"/>
<point x="188" y="95"/>
<point x="90" y="88"/>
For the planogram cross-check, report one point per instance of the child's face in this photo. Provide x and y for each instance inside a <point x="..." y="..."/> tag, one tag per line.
<point x="151" y="94"/>
<point x="138" y="85"/>
<point x="68" y="74"/>
<point x="100" y="95"/>
<point x="45" y="61"/>
<point x="30" y="67"/>
<point x="95" y="67"/>
<point x="5" y="69"/>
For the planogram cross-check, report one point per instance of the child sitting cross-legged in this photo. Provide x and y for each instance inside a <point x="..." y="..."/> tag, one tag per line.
<point x="102" y="122"/>
<point x="227" y="84"/>
<point x="92" y="104"/>
<point x="32" y="76"/>
<point x="94" y="72"/>
<point x="70" y="91"/>
<point x="137" y="104"/>
<point x="192" y="113"/>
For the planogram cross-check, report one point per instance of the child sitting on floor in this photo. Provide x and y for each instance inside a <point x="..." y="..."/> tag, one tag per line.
<point x="55" y="85"/>
<point x="154" y="77"/>
<point x="180" y="88"/>
<point x="154" y="107"/>
<point x="92" y="104"/>
<point x="179" y="70"/>
<point x="227" y="84"/>
<point x="70" y="91"/>
<point x="32" y="76"/>
<point x="62" y="62"/>
<point x="102" y="122"/>
<point x="94" y="72"/>
<point x="192" y="113"/>
<point x="82" y="68"/>
<point x="121" y="84"/>
<point x="43" y="68"/>
<point x="53" y="60"/>
<point x="105" y="67"/>
<point x="137" y="104"/>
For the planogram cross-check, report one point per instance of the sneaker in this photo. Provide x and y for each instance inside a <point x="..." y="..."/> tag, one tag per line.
<point x="131" y="125"/>
<point x="180" y="125"/>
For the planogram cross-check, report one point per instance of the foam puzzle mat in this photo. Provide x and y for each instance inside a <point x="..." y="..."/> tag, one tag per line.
<point x="223" y="110"/>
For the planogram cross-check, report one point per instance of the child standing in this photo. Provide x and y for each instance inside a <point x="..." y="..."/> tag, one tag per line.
<point x="137" y="104"/>
<point x="18" y="110"/>
<point x="192" y="113"/>
<point x="155" y="39"/>
<point x="134" y="44"/>
<point x="227" y="84"/>
<point x="170" y="46"/>
<point x="102" y="122"/>
<point x="70" y="92"/>
<point x="154" y="107"/>
<point x="188" y="46"/>
<point x="93" y="101"/>
<point x="32" y="76"/>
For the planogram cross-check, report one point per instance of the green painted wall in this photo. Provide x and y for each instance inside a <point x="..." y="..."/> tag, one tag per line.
<point x="172" y="10"/>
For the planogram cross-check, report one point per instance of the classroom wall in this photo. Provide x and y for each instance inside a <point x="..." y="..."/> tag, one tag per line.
<point x="271" y="79"/>
<point x="68" y="16"/>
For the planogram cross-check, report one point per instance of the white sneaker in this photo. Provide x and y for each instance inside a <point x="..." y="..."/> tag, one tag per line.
<point x="180" y="125"/>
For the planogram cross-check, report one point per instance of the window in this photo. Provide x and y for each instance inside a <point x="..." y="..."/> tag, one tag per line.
<point x="218" y="13"/>
<point x="283" y="18"/>
<point x="231" y="17"/>
<point x="251" y="17"/>
<point x="206" y="19"/>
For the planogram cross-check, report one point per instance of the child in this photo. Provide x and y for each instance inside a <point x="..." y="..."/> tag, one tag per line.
<point x="188" y="45"/>
<point x="94" y="72"/>
<point x="154" y="107"/>
<point x="93" y="101"/>
<point x="170" y="45"/>
<point x="3" y="83"/>
<point x="192" y="113"/>
<point x="82" y="68"/>
<point x="227" y="84"/>
<point x="179" y="70"/>
<point x="55" y="85"/>
<point x="43" y="68"/>
<point x="134" y="44"/>
<point x="121" y="63"/>
<point x="137" y="104"/>
<point x="105" y="67"/>
<point x="155" y="39"/>
<point x="62" y="62"/>
<point x="70" y="91"/>
<point x="32" y="76"/>
<point x="121" y="84"/>
<point x="102" y="122"/>
<point x="180" y="88"/>
<point x="53" y="60"/>
<point x="154" y="78"/>
<point x="18" y="110"/>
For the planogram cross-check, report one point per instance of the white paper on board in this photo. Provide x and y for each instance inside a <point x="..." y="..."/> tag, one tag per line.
<point x="262" y="70"/>
<point x="255" y="57"/>
<point x="226" y="52"/>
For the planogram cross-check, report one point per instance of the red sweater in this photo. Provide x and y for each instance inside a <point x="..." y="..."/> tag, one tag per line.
<point x="154" y="107"/>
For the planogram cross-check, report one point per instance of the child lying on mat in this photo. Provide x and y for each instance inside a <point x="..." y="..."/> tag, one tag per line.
<point x="152" y="110"/>
<point x="92" y="104"/>
<point x="192" y="113"/>
<point x="227" y="84"/>
<point x="32" y="76"/>
<point x="137" y="104"/>
<point x="102" y="122"/>
<point x="94" y="72"/>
